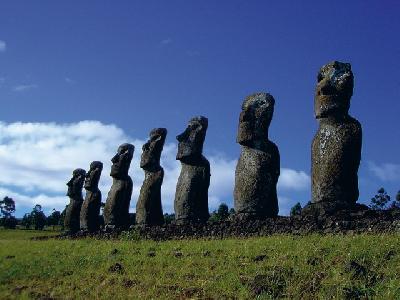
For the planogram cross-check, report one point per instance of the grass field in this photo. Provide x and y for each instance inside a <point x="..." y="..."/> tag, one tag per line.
<point x="267" y="267"/>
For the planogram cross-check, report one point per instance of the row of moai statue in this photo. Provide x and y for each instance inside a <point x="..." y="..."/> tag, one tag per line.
<point x="336" y="154"/>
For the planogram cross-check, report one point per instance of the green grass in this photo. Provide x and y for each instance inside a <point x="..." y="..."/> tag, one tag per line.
<point x="285" y="266"/>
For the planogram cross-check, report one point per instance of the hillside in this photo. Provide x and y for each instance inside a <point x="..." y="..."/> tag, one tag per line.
<point x="340" y="266"/>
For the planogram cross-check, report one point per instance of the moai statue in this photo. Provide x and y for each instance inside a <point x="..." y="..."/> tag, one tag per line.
<point x="89" y="218"/>
<point x="336" y="148"/>
<point x="258" y="168"/>
<point x="116" y="210"/>
<point x="191" y="198"/>
<point x="148" y="208"/>
<point x="71" y="221"/>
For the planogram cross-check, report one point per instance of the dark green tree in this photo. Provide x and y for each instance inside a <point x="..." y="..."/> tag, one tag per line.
<point x="26" y="220"/>
<point x="7" y="209"/>
<point x="54" y="218"/>
<point x="169" y="218"/>
<point x="295" y="210"/>
<point x="223" y="211"/>
<point x="38" y="218"/>
<point x="221" y="214"/>
<point x="396" y="203"/>
<point x="62" y="217"/>
<point x="380" y="200"/>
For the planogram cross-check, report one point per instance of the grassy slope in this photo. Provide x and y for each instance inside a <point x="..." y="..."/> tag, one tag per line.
<point x="293" y="267"/>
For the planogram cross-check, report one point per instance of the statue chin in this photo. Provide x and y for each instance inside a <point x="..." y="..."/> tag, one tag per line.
<point x="118" y="173"/>
<point x="146" y="163"/>
<point x="114" y="171"/>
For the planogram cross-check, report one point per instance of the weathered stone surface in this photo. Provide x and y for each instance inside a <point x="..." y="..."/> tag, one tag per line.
<point x="336" y="147"/>
<point x="71" y="221"/>
<point x="116" y="210"/>
<point x="258" y="168"/>
<point x="148" y="208"/>
<point x="191" y="197"/>
<point x="90" y="211"/>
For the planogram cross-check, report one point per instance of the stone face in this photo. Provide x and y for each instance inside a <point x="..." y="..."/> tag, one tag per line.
<point x="71" y="221"/>
<point x="116" y="210"/>
<point x="336" y="147"/>
<point x="191" y="197"/>
<point x="258" y="168"/>
<point x="89" y="217"/>
<point x="148" y="208"/>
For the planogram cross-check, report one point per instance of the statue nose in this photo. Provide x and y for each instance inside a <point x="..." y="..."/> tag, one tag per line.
<point x="181" y="137"/>
<point x="245" y="116"/>
<point x="115" y="158"/>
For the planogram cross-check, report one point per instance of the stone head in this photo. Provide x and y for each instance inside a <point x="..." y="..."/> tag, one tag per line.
<point x="122" y="161"/>
<point x="334" y="90"/>
<point x="152" y="149"/>
<point x="191" y="140"/>
<point x="93" y="175"/>
<point x="255" y="118"/>
<point x="76" y="183"/>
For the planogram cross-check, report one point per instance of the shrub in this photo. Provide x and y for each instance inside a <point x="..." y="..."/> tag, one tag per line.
<point x="295" y="210"/>
<point x="380" y="200"/>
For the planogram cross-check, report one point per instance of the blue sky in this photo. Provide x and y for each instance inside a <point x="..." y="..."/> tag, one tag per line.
<point x="136" y="65"/>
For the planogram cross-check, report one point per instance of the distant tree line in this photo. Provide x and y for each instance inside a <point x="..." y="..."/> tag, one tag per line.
<point x="36" y="219"/>
<point x="381" y="201"/>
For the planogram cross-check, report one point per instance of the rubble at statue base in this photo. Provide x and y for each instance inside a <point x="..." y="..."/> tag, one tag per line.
<point x="342" y="222"/>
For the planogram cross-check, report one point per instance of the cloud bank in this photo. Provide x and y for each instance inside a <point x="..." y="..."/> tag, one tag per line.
<point x="166" y="41"/>
<point x="24" y="87"/>
<point x="386" y="171"/>
<point x="37" y="159"/>
<point x="3" y="46"/>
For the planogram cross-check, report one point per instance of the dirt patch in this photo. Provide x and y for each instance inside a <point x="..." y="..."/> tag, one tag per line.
<point x="19" y="289"/>
<point x="192" y="292"/>
<point x="116" y="268"/>
<point x="128" y="283"/>
<point x="272" y="283"/>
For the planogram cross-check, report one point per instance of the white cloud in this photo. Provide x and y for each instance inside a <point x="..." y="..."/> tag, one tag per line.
<point x="3" y="46"/>
<point x="293" y="180"/>
<point x="69" y="80"/>
<point x="166" y="41"/>
<point x="285" y="204"/>
<point x="24" y="201"/>
<point x="24" y="87"/>
<point x="37" y="159"/>
<point x="386" y="171"/>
